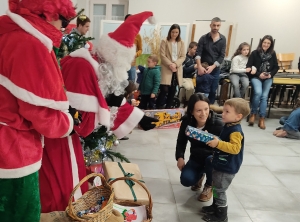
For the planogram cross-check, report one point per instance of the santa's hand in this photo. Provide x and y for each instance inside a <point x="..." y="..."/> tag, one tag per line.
<point x="146" y="123"/>
<point x="113" y="100"/>
<point x="75" y="115"/>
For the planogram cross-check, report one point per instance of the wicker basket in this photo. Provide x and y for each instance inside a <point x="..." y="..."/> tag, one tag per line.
<point x="132" y="203"/>
<point x="89" y="199"/>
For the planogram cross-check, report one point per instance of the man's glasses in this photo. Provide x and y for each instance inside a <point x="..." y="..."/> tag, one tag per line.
<point x="64" y="22"/>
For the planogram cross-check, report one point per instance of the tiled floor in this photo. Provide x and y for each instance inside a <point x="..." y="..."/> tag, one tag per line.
<point x="266" y="189"/>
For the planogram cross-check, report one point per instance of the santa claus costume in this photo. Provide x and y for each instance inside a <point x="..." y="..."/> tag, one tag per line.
<point x="33" y="101"/>
<point x="88" y="83"/>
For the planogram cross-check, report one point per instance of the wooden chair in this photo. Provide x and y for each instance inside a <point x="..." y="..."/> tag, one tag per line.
<point x="285" y="61"/>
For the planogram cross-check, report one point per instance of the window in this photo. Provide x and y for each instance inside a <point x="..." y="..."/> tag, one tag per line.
<point x="105" y="10"/>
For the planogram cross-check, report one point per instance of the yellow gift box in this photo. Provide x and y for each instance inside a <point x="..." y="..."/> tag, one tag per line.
<point x="126" y="191"/>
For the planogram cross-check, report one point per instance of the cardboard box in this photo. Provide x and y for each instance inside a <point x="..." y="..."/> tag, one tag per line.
<point x="122" y="190"/>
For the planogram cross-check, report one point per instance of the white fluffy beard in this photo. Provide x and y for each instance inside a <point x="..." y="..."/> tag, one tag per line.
<point x="108" y="82"/>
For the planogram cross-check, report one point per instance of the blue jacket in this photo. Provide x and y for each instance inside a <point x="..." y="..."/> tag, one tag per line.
<point x="228" y="156"/>
<point x="203" y="83"/>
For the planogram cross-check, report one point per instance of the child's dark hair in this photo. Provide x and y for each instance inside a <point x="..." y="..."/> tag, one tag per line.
<point x="82" y="20"/>
<point x="240" y="105"/>
<point x="240" y="48"/>
<point x="154" y="58"/>
<point x="129" y="89"/>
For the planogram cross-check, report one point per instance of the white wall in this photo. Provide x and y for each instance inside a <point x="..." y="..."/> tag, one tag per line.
<point x="255" y="18"/>
<point x="3" y="6"/>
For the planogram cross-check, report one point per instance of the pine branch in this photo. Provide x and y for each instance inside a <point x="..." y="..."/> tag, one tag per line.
<point x="113" y="154"/>
<point x="78" y="13"/>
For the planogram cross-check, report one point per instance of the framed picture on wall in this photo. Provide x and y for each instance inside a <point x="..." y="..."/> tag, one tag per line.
<point x="151" y="36"/>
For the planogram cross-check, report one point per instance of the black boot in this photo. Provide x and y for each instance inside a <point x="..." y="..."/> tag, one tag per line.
<point x="220" y="215"/>
<point x="209" y="209"/>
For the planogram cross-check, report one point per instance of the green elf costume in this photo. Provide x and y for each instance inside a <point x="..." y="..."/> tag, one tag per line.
<point x="33" y="102"/>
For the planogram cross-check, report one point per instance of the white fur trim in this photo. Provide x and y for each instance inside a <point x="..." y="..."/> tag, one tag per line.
<point x="89" y="103"/>
<point x="71" y="124"/>
<point x="20" y="172"/>
<point x="118" y="55"/>
<point x="26" y="26"/>
<point x="85" y="54"/>
<point x="74" y="167"/>
<point x="31" y="98"/>
<point x="132" y="121"/>
<point x="152" y="20"/>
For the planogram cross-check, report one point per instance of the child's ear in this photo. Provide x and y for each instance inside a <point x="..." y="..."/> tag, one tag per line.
<point x="240" y="116"/>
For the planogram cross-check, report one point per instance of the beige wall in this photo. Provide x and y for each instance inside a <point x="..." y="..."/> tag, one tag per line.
<point x="254" y="18"/>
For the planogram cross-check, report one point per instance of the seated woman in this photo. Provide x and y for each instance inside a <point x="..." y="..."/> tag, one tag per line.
<point x="291" y="125"/>
<point x="266" y="66"/>
<point x="200" y="116"/>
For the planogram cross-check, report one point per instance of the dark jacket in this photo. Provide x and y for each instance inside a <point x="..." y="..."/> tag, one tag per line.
<point x="203" y="83"/>
<point x="210" y="51"/>
<point x="150" y="81"/>
<point x="199" y="150"/>
<point x="226" y="162"/>
<point x="255" y="60"/>
<point x="188" y="67"/>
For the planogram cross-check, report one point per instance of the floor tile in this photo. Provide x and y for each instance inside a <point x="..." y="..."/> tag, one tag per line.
<point x="290" y="180"/>
<point x="161" y="190"/>
<point x="186" y="199"/>
<point x="271" y="149"/>
<point x="271" y="216"/>
<point x="266" y="198"/>
<point x="174" y="173"/>
<point x="279" y="163"/>
<point x="190" y="217"/>
<point x="165" y="212"/>
<point x="145" y="152"/>
<point x="251" y="160"/>
<point x="256" y="175"/>
<point x="152" y="168"/>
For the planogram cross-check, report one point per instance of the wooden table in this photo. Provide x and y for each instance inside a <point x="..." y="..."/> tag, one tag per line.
<point x="283" y="82"/>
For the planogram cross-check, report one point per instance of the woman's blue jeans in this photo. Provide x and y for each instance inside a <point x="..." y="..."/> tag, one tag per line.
<point x="259" y="99"/>
<point x="192" y="172"/>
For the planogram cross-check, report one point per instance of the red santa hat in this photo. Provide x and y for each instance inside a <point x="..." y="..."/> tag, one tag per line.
<point x="51" y="9"/>
<point x="118" y="48"/>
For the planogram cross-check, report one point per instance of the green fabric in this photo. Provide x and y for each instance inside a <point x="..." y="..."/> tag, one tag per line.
<point x="150" y="81"/>
<point x="20" y="199"/>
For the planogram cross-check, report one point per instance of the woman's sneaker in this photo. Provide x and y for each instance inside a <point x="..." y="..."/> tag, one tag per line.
<point x="198" y="186"/>
<point x="206" y="194"/>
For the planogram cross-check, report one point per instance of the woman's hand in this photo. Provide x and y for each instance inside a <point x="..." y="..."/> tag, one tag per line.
<point x="180" y="163"/>
<point x="264" y="76"/>
<point x="213" y="143"/>
<point x="248" y="70"/>
<point x="173" y="67"/>
<point x="253" y="71"/>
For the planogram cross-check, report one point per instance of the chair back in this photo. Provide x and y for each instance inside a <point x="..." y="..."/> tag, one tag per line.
<point x="285" y="60"/>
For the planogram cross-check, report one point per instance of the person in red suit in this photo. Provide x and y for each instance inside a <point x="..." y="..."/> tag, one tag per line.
<point x="95" y="87"/>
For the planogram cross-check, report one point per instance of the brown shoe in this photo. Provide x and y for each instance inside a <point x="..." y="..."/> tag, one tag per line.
<point x="251" y="120"/>
<point x="198" y="185"/>
<point x="261" y="123"/>
<point x="206" y="194"/>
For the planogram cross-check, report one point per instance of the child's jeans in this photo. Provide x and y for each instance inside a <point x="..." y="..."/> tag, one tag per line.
<point x="221" y="182"/>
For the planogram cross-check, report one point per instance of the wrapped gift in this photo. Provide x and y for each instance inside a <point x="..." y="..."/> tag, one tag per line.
<point x="126" y="190"/>
<point x="199" y="134"/>
<point x="134" y="213"/>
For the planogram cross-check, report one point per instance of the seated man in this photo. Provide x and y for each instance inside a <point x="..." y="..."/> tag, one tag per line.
<point x="189" y="66"/>
<point x="291" y="125"/>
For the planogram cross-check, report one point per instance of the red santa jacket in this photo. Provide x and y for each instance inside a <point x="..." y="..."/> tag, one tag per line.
<point x="32" y="98"/>
<point x="79" y="73"/>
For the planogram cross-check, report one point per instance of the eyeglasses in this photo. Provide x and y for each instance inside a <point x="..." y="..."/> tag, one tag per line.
<point x="64" y="22"/>
<point x="82" y="17"/>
